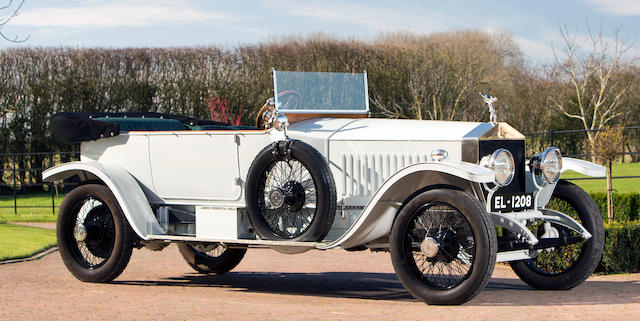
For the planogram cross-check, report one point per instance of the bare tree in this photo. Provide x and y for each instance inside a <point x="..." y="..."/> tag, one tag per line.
<point x="13" y="12"/>
<point x="445" y="71"/>
<point x="597" y="79"/>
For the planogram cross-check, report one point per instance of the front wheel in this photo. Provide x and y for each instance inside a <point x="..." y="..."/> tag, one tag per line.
<point x="211" y="258"/>
<point x="443" y="246"/>
<point x="564" y="267"/>
<point x="94" y="238"/>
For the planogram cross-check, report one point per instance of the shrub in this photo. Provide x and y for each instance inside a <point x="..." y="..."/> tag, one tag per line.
<point x="625" y="205"/>
<point x="621" y="254"/>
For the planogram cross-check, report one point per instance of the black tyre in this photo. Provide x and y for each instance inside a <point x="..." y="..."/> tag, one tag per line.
<point x="290" y="194"/>
<point x="564" y="267"/>
<point x="94" y="238"/>
<point x="211" y="258"/>
<point x="443" y="246"/>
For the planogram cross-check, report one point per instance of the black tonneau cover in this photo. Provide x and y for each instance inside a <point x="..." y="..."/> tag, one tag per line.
<point x="76" y="127"/>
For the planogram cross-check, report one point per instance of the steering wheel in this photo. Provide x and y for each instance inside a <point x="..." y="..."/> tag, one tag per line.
<point x="288" y="99"/>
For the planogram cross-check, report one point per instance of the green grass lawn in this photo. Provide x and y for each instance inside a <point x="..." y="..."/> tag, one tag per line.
<point x="621" y="185"/>
<point x="24" y="241"/>
<point x="42" y="214"/>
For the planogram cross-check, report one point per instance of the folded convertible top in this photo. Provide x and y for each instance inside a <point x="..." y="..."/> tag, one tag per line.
<point x="76" y="127"/>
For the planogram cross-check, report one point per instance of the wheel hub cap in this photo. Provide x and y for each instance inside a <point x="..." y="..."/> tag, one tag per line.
<point x="294" y="196"/>
<point x="80" y="233"/>
<point x="429" y="247"/>
<point x="276" y="198"/>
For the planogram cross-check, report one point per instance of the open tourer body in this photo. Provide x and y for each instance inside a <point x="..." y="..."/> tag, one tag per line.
<point x="446" y="199"/>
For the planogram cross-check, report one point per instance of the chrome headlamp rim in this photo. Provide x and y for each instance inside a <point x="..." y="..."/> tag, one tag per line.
<point x="491" y="162"/>
<point x="281" y="122"/>
<point x="543" y="163"/>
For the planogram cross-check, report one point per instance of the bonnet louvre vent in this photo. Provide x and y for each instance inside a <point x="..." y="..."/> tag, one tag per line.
<point x="363" y="174"/>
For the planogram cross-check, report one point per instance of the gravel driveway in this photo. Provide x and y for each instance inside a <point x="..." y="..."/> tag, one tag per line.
<point x="315" y="285"/>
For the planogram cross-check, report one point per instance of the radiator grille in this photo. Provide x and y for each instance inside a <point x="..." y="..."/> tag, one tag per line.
<point x="363" y="174"/>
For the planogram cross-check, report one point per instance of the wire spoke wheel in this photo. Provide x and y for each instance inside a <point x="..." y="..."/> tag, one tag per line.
<point x="209" y="258"/>
<point x="570" y="263"/>
<point x="94" y="238"/>
<point x="290" y="194"/>
<point x="557" y="260"/>
<point x="443" y="246"/>
<point x="447" y="229"/>
<point x="212" y="250"/>
<point x="289" y="198"/>
<point x="93" y="233"/>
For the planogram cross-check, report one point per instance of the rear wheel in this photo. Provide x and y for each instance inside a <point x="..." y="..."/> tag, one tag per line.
<point x="94" y="238"/>
<point x="564" y="267"/>
<point x="443" y="246"/>
<point x="211" y="258"/>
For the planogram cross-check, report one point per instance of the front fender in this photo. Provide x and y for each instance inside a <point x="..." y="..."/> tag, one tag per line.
<point x="577" y="165"/>
<point x="124" y="187"/>
<point x="377" y="217"/>
<point x="583" y="167"/>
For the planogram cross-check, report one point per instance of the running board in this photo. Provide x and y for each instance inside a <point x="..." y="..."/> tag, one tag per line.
<point x="268" y="243"/>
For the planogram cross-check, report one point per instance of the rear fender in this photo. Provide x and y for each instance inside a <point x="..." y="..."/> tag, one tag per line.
<point x="124" y="187"/>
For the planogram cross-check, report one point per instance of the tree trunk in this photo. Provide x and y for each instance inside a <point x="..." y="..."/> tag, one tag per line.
<point x="609" y="194"/>
<point x="592" y="146"/>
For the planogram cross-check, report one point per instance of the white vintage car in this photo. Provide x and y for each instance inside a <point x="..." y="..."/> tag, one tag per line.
<point x="447" y="199"/>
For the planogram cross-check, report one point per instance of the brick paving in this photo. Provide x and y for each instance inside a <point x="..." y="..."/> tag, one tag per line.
<point x="316" y="285"/>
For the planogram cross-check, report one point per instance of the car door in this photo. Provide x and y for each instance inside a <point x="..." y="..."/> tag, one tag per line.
<point x="195" y="165"/>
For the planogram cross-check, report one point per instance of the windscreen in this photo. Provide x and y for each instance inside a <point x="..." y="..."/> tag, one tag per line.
<point x="318" y="92"/>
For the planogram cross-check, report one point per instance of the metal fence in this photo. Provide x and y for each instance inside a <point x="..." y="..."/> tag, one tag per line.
<point x="21" y="174"/>
<point x="574" y="141"/>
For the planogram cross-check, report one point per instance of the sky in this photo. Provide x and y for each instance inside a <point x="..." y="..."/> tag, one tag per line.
<point x="534" y="25"/>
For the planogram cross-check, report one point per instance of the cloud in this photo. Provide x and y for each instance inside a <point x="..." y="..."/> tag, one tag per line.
<point x="539" y="50"/>
<point x="617" y="7"/>
<point x="92" y="14"/>
<point x="366" y="15"/>
<point x="535" y="49"/>
<point x="606" y="44"/>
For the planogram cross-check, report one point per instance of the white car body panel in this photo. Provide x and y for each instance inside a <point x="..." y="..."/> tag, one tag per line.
<point x="364" y="153"/>
<point x="212" y="174"/>
<point x="583" y="167"/>
<point x="209" y="168"/>
<point x="377" y="217"/>
<point x="188" y="167"/>
<point x="124" y="187"/>
<point x="366" y="157"/>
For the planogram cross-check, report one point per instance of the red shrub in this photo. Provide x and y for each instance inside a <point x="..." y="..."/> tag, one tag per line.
<point x="219" y="111"/>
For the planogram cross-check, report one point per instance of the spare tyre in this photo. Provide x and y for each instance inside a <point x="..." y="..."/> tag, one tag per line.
<point x="290" y="193"/>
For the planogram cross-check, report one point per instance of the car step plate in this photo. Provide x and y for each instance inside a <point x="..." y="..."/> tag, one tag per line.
<point x="174" y="238"/>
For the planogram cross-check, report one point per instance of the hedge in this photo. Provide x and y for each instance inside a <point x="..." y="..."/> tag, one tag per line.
<point x="626" y="206"/>
<point x="621" y="249"/>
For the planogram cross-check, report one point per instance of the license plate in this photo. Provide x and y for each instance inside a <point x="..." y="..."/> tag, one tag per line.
<point x="512" y="202"/>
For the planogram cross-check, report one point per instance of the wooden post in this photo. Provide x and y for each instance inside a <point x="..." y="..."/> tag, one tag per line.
<point x="15" y="195"/>
<point x="609" y="193"/>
